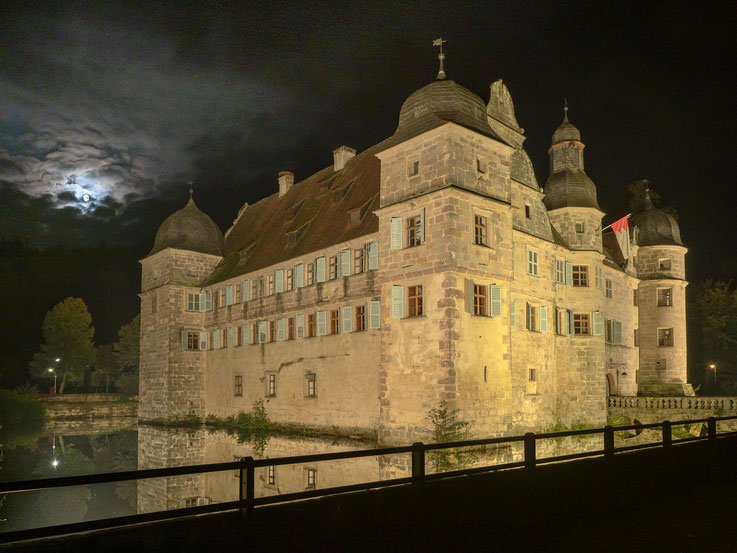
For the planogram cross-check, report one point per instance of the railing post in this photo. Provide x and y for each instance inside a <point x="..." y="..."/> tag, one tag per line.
<point x="711" y="426"/>
<point x="608" y="442"/>
<point x="530" y="459"/>
<point x="667" y="434"/>
<point x="418" y="463"/>
<point x="247" y="483"/>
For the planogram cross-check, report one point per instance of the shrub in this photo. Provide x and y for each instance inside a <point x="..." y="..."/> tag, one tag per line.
<point x="20" y="414"/>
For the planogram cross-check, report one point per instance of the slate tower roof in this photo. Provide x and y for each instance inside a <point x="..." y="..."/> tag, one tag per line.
<point x="655" y="227"/>
<point x="189" y="229"/>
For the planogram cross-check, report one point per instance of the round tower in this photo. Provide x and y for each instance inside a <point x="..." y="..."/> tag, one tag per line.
<point x="660" y="264"/>
<point x="570" y="195"/>
<point x="187" y="248"/>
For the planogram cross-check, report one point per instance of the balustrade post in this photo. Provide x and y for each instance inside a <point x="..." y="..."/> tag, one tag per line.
<point x="608" y="442"/>
<point x="247" y="483"/>
<point x="418" y="463"/>
<point x="711" y="426"/>
<point x="530" y="459"/>
<point x="667" y="434"/>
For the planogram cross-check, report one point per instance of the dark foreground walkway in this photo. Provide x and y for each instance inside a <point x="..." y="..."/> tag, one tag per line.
<point x="650" y="501"/>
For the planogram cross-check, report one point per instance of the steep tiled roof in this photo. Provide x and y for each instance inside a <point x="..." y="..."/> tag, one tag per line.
<point x="316" y="212"/>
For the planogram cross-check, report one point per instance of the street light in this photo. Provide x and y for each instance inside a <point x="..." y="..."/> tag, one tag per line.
<point x="53" y="371"/>
<point x="713" y="367"/>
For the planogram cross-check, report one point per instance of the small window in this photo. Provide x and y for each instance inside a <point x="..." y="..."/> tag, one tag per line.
<point x="414" y="230"/>
<point x="311" y="384"/>
<point x="532" y="262"/>
<point x="480" y="230"/>
<point x="271" y="385"/>
<point x="290" y="279"/>
<point x="271" y="475"/>
<point x="609" y="285"/>
<point x="528" y="211"/>
<point x="193" y="340"/>
<point x="310" y="325"/>
<point x="580" y="275"/>
<point x="360" y="317"/>
<point x="580" y="227"/>
<point x="560" y="271"/>
<point x="334" y="267"/>
<point x="665" y="297"/>
<point x="581" y="324"/>
<point x="221" y="295"/>
<point x="310" y="274"/>
<point x="414" y="297"/>
<point x="311" y="479"/>
<point x="532" y="375"/>
<point x="271" y="285"/>
<point x="358" y="261"/>
<point x="237" y="294"/>
<point x="237" y="337"/>
<point x="665" y="336"/>
<point x="480" y="165"/>
<point x="238" y="388"/>
<point x="290" y="328"/>
<point x="480" y="300"/>
<point x="334" y="321"/>
<point x="414" y="168"/>
<point x="532" y="318"/>
<point x="193" y="302"/>
<point x="664" y="264"/>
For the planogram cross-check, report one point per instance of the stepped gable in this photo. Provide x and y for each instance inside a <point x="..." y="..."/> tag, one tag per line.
<point x="260" y="237"/>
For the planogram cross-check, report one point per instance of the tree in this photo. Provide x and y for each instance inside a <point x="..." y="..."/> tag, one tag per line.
<point x="107" y="370"/>
<point x="67" y="334"/>
<point x="713" y="334"/>
<point x="636" y="192"/>
<point x="127" y="349"/>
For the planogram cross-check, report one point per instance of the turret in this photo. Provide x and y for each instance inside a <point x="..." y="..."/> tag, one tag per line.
<point x="661" y="295"/>
<point x="187" y="248"/>
<point x="570" y="195"/>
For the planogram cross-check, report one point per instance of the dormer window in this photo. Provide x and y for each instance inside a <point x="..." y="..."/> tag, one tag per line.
<point x="325" y="186"/>
<point x="245" y="253"/>
<point x="294" y="236"/>
<point x="340" y="194"/>
<point x="580" y="227"/>
<point x="296" y="208"/>
<point x="357" y="215"/>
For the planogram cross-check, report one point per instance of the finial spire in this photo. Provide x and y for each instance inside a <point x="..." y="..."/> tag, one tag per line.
<point x="648" y="201"/>
<point x="565" y="109"/>
<point x="441" y="57"/>
<point x="191" y="190"/>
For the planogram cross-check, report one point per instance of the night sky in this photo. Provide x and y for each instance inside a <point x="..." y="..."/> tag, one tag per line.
<point x="126" y="102"/>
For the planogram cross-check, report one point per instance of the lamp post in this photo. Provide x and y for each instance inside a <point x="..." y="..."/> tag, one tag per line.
<point x="713" y="367"/>
<point x="53" y="371"/>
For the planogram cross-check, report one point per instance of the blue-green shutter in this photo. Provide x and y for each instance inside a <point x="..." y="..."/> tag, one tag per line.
<point x="568" y="322"/>
<point x="598" y="323"/>
<point x="216" y="339"/>
<point x="345" y="263"/>
<point x="569" y="273"/>
<point x="322" y="323"/>
<point x="373" y="256"/>
<point x="231" y="336"/>
<point x="229" y="294"/>
<point x="300" y="326"/>
<point x="245" y="291"/>
<point x="280" y="329"/>
<point x="347" y="318"/>
<point x="496" y="300"/>
<point x="395" y="233"/>
<point x="397" y="302"/>
<point x="279" y="280"/>
<point x="203" y="340"/>
<point x="262" y="331"/>
<point x="421" y="230"/>
<point x="184" y="339"/>
<point x="543" y="318"/>
<point x="299" y="276"/>
<point x="617" y="332"/>
<point x="245" y="335"/>
<point x="374" y="314"/>
<point x="320" y="269"/>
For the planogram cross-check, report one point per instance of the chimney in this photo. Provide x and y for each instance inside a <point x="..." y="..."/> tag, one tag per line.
<point x="286" y="180"/>
<point x="341" y="156"/>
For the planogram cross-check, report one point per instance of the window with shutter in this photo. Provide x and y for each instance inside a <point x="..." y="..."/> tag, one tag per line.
<point x="480" y="300"/>
<point x="560" y="271"/>
<point x="360" y="318"/>
<point x="310" y="277"/>
<point x="495" y="291"/>
<point x="299" y="276"/>
<point x="231" y="337"/>
<point x="358" y="261"/>
<point x="580" y="275"/>
<point x="374" y="314"/>
<point x="245" y="291"/>
<point x="262" y="333"/>
<point x="320" y="263"/>
<point x="345" y="263"/>
<point x="184" y="339"/>
<point x="397" y="302"/>
<point x="334" y="321"/>
<point x="581" y="324"/>
<point x="280" y="329"/>
<point x="322" y="323"/>
<point x="373" y="256"/>
<point x="290" y="280"/>
<point x="415" y="304"/>
<point x="290" y="328"/>
<point x="395" y="233"/>
<point x="532" y="262"/>
<point x="216" y="339"/>
<point x="543" y="318"/>
<point x="300" y="326"/>
<point x="271" y="284"/>
<point x="414" y="231"/>
<point x="347" y="319"/>
<point x="311" y="331"/>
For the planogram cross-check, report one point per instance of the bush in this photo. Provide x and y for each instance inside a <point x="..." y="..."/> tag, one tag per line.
<point x="20" y="413"/>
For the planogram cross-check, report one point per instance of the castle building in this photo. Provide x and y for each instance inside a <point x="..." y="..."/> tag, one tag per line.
<point x="431" y="266"/>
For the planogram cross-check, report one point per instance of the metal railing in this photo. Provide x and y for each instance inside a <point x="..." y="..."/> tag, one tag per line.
<point x="246" y="467"/>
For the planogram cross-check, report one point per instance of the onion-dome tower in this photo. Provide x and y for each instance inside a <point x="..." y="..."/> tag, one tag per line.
<point x="570" y="195"/>
<point x="660" y="264"/>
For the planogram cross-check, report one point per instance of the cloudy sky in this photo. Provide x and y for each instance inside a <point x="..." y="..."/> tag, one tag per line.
<point x="108" y="109"/>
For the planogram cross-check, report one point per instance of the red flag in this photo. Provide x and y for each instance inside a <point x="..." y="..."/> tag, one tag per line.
<point x="621" y="230"/>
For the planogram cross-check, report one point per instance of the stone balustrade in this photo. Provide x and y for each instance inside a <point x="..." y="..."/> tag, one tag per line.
<point x="675" y="403"/>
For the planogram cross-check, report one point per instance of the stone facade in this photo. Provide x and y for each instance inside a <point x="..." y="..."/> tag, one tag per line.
<point x="450" y="277"/>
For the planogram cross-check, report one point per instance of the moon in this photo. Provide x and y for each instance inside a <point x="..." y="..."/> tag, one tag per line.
<point x="86" y="197"/>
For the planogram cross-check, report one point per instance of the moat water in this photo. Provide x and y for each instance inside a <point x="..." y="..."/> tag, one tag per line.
<point x="77" y="451"/>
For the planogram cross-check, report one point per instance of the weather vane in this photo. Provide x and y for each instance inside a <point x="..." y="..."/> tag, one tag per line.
<point x="191" y="190"/>
<point x="441" y="56"/>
